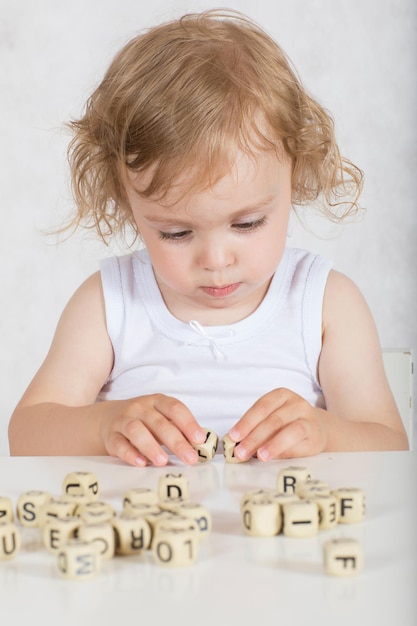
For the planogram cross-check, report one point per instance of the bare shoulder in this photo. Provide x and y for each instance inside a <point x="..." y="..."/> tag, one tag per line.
<point x="344" y="302"/>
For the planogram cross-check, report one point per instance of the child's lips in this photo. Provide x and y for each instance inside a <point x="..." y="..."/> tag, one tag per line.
<point x="221" y="292"/>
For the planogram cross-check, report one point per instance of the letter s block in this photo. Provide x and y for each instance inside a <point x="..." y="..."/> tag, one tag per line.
<point x="29" y="507"/>
<point x="175" y="547"/>
<point x="81" y="484"/>
<point x="342" y="557"/>
<point x="9" y="540"/>
<point x="78" y="560"/>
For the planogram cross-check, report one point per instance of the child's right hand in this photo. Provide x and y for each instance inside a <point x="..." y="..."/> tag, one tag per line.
<point x="146" y="423"/>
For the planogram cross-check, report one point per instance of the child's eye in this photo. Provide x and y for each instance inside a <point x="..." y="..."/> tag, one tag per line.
<point x="174" y="236"/>
<point x="249" y="226"/>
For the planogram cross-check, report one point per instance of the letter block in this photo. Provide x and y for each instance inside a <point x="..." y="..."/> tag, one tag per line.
<point x="81" y="483"/>
<point x="53" y="509"/>
<point x="261" y="517"/>
<point x="199" y="513"/>
<point x="58" y="531"/>
<point x="9" y="540"/>
<point x="207" y="450"/>
<point x="139" y="495"/>
<point x="301" y="518"/>
<point x="102" y="535"/>
<point x="29" y="506"/>
<point x="78" y="560"/>
<point x="329" y="510"/>
<point x="96" y="511"/>
<point x="175" y="547"/>
<point x="289" y="477"/>
<point x="342" y="557"/>
<point x="229" y="451"/>
<point x="352" y="504"/>
<point x="271" y="494"/>
<point x="6" y="509"/>
<point x="173" y="486"/>
<point x="133" y="534"/>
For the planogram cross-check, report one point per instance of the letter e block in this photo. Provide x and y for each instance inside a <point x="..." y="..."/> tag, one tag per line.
<point x="58" y="531"/>
<point x="173" y="486"/>
<point x="342" y="557"/>
<point x="329" y="510"/>
<point x="78" y="560"/>
<point x="9" y="540"/>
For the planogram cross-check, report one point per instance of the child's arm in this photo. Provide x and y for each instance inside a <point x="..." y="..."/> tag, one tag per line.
<point x="361" y="412"/>
<point x="58" y="414"/>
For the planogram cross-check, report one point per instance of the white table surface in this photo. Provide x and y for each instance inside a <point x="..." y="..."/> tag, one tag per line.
<point x="237" y="579"/>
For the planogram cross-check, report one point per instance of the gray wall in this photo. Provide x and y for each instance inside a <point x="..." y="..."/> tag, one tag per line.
<point x="358" y="57"/>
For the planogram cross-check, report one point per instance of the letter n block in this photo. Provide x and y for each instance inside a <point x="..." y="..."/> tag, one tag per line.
<point x="342" y="557"/>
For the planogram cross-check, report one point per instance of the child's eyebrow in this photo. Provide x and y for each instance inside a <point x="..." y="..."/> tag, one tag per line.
<point x="161" y="219"/>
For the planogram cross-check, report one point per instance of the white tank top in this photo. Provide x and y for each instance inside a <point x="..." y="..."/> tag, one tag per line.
<point x="217" y="371"/>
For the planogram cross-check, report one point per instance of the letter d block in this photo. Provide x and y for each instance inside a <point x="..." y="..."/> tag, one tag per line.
<point x="133" y="534"/>
<point x="9" y="540"/>
<point x="342" y="557"/>
<point x="173" y="486"/>
<point x="78" y="560"/>
<point x="175" y="547"/>
<point x="207" y="450"/>
<point x="352" y="504"/>
<point x="261" y="517"/>
<point x="81" y="484"/>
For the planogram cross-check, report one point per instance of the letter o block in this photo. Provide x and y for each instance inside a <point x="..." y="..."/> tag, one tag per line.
<point x="9" y="540"/>
<point x="352" y="504"/>
<point x="173" y="486"/>
<point x="81" y="484"/>
<point x="175" y="547"/>
<point x="261" y="517"/>
<point x="78" y="560"/>
<point x="29" y="506"/>
<point x="100" y="534"/>
<point x="301" y="518"/>
<point x="342" y="557"/>
<point x="58" y="531"/>
<point x="290" y="477"/>
<point x="6" y="509"/>
<point x="207" y="450"/>
<point x="133" y="534"/>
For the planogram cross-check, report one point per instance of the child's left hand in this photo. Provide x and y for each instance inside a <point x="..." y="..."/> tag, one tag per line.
<point x="281" y="424"/>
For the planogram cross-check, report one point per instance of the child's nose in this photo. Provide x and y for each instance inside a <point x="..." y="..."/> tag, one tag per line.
<point x="215" y="256"/>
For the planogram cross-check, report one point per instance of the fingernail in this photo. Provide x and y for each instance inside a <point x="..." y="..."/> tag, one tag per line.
<point x="241" y="453"/>
<point x="234" y="435"/>
<point x="263" y="454"/>
<point x="161" y="459"/>
<point x="200" y="436"/>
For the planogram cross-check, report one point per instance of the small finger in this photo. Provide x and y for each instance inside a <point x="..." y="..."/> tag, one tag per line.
<point x="291" y="440"/>
<point x="179" y="414"/>
<point x="121" y="448"/>
<point x="141" y="439"/>
<point x="257" y="414"/>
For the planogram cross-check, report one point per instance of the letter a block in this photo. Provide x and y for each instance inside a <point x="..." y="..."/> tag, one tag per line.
<point x="173" y="486"/>
<point x="9" y="540"/>
<point x="352" y="504"/>
<point x="78" y="560"/>
<point x="342" y="557"/>
<point x="175" y="547"/>
<point x="207" y="450"/>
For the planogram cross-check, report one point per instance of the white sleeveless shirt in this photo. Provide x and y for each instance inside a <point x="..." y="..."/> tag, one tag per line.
<point x="217" y="371"/>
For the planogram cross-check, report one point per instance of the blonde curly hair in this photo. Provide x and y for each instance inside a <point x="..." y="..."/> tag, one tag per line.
<point x="186" y="95"/>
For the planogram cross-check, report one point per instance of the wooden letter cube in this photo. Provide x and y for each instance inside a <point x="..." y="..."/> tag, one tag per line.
<point x="261" y="517"/>
<point x="78" y="560"/>
<point x="301" y="518"/>
<point x="9" y="540"/>
<point x="95" y="512"/>
<point x="102" y="535"/>
<point x="207" y="450"/>
<point x="352" y="504"/>
<point x="29" y="506"/>
<point x="329" y="510"/>
<point x="175" y="547"/>
<point x="173" y="486"/>
<point x="139" y="495"/>
<point x="133" y="534"/>
<point x="342" y="557"/>
<point x="199" y="513"/>
<point x="81" y="483"/>
<point x="229" y="451"/>
<point x="6" y="509"/>
<point x="57" y="531"/>
<point x="290" y="477"/>
<point x="54" y="509"/>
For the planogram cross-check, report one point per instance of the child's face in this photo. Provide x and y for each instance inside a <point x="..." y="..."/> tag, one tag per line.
<point x="214" y="252"/>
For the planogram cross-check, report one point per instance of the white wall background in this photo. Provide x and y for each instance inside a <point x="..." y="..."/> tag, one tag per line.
<point x="358" y="57"/>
